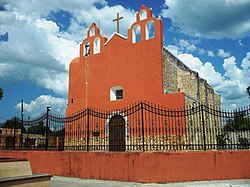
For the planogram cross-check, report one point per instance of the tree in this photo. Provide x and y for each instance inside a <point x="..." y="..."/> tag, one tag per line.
<point x="240" y="122"/>
<point x="1" y="93"/>
<point x="38" y="129"/>
<point x="11" y="125"/>
<point x="58" y="133"/>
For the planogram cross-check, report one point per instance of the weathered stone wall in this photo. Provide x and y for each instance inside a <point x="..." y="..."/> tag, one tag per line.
<point x="210" y="96"/>
<point x="170" y="82"/>
<point x="203" y="90"/>
<point x="187" y="83"/>
<point x="177" y="77"/>
<point x="217" y="99"/>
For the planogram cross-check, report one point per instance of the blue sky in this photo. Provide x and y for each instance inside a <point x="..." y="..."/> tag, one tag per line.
<point x="38" y="39"/>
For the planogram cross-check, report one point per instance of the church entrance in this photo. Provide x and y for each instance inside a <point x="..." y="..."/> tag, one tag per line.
<point x="117" y="134"/>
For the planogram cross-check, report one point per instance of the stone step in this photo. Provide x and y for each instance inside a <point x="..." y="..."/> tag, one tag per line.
<point x="27" y="181"/>
<point x="17" y="172"/>
<point x="13" y="167"/>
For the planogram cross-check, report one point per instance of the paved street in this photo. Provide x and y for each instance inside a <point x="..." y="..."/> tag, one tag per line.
<point x="76" y="182"/>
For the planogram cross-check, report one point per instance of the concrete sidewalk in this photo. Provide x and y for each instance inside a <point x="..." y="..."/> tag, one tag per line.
<point x="57" y="181"/>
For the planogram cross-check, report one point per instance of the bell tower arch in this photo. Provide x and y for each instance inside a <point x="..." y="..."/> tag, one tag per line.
<point x="146" y="27"/>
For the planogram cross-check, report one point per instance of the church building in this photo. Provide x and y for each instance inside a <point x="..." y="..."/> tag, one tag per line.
<point x="111" y="73"/>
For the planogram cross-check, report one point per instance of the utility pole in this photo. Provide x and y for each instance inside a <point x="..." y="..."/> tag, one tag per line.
<point x="21" y="139"/>
<point x="22" y="111"/>
<point x="14" y="138"/>
<point x="28" y="130"/>
<point x="248" y="91"/>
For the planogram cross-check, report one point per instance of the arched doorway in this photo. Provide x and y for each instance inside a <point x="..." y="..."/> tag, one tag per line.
<point x="117" y="134"/>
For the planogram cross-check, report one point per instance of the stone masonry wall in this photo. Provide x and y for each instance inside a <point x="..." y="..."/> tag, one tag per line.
<point x="177" y="77"/>
<point x="203" y="91"/>
<point x="210" y="95"/>
<point x="170" y="81"/>
<point x="187" y="83"/>
<point x="217" y="99"/>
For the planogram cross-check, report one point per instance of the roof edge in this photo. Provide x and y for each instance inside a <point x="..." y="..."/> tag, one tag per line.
<point x="115" y="33"/>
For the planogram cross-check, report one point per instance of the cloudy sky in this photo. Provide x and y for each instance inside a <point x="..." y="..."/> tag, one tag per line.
<point x="38" y="39"/>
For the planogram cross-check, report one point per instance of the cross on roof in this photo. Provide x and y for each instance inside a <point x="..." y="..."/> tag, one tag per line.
<point x="117" y="21"/>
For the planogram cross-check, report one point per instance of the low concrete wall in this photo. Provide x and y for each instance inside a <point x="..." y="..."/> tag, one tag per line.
<point x="14" y="169"/>
<point x="140" y="167"/>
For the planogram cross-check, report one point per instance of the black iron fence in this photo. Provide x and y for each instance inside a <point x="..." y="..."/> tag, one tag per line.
<point x="139" y="127"/>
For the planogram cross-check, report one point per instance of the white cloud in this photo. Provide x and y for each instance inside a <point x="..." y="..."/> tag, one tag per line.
<point x="231" y="86"/>
<point x="206" y="71"/>
<point x="43" y="8"/>
<point x="232" y="71"/>
<point x="202" y="51"/>
<point x="38" y="106"/>
<point x="186" y="45"/>
<point x="6" y="18"/>
<point x="183" y="43"/>
<point x="246" y="62"/>
<point x="37" y="50"/>
<point x="183" y="46"/>
<point x="57" y="82"/>
<point x="173" y="49"/>
<point x="30" y="53"/>
<point x="223" y="54"/>
<point x="212" y="19"/>
<point x="210" y="53"/>
<point x="105" y="16"/>
<point x="25" y="61"/>
<point x="192" y="62"/>
<point x="191" y="48"/>
<point x="4" y="69"/>
<point x="240" y="43"/>
<point x="48" y="26"/>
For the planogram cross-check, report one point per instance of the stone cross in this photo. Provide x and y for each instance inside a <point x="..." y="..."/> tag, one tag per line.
<point x="117" y="22"/>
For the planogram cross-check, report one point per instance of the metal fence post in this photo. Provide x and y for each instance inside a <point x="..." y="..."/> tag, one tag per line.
<point x="14" y="138"/>
<point x="203" y="127"/>
<point x="87" y="129"/>
<point x="47" y="129"/>
<point x="142" y="123"/>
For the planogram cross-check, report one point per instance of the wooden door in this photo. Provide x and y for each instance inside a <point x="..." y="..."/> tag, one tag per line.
<point x="117" y="134"/>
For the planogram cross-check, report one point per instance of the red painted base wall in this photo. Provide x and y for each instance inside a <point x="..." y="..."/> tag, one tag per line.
<point x="140" y="167"/>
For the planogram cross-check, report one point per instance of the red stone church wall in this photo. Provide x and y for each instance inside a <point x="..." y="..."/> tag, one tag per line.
<point x="140" y="166"/>
<point x="137" y="67"/>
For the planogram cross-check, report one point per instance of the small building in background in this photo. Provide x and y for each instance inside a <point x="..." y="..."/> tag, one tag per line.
<point x="7" y="137"/>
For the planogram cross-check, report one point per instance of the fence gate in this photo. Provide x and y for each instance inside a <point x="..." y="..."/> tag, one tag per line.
<point x="117" y="133"/>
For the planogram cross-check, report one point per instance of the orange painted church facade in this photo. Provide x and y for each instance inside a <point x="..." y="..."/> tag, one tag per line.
<point x="116" y="72"/>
